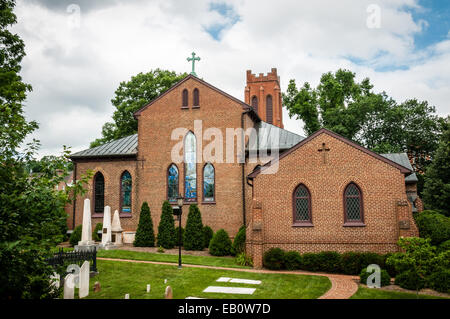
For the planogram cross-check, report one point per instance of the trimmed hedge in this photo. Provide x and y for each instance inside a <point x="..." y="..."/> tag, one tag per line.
<point x="193" y="235"/>
<point x="95" y="236"/>
<point x="292" y="260"/>
<point x="434" y="226"/>
<point x="329" y="261"/>
<point x="239" y="241"/>
<point x="75" y="237"/>
<point x="410" y="280"/>
<point x="220" y="244"/>
<point x="385" y="278"/>
<point x="274" y="259"/>
<point x="207" y="236"/>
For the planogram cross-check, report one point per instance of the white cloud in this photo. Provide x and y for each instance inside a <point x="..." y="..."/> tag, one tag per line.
<point x="74" y="71"/>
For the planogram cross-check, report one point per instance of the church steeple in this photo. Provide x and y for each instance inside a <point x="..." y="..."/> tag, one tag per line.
<point x="263" y="93"/>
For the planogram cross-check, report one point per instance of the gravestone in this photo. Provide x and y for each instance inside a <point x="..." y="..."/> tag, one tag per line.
<point x="116" y="229"/>
<point x="86" y="243"/>
<point x="127" y="296"/>
<point x="69" y="286"/>
<point x="84" y="280"/>
<point x="148" y="288"/>
<point x="168" y="293"/>
<point x="106" y="233"/>
<point x="97" y="287"/>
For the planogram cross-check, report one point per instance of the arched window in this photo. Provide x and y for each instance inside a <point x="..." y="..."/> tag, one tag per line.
<point x="99" y="193"/>
<point x="190" y="168"/>
<point x="208" y="183"/>
<point x="353" y="204"/>
<point x="255" y="103"/>
<point x="302" y="205"/>
<point x="185" y="98"/>
<point x="196" y="98"/>
<point x="172" y="183"/>
<point x="125" y="192"/>
<point x="269" y="109"/>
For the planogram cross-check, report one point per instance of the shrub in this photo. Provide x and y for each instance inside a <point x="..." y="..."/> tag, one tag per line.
<point x="385" y="278"/>
<point x="239" y="241"/>
<point x="193" y="235"/>
<point x="292" y="260"/>
<point x="177" y="230"/>
<point x="166" y="228"/>
<point x="244" y="260"/>
<point x="440" y="280"/>
<point x="368" y="258"/>
<point x="145" y="236"/>
<point x="75" y="237"/>
<point x="434" y="226"/>
<point x="410" y="280"/>
<point x="220" y="244"/>
<point x="274" y="259"/>
<point x="207" y="235"/>
<point x="445" y="246"/>
<point x="160" y="249"/>
<point x="95" y="236"/>
<point x="351" y="263"/>
<point x="389" y="268"/>
<point x="328" y="261"/>
<point x="310" y="262"/>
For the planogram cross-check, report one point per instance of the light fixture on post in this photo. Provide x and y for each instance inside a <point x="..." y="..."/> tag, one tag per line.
<point x="179" y="213"/>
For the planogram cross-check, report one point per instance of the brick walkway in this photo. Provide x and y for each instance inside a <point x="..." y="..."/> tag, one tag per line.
<point x="342" y="286"/>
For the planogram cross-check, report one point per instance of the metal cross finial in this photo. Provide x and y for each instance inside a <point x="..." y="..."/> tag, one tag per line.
<point x="323" y="150"/>
<point x="193" y="59"/>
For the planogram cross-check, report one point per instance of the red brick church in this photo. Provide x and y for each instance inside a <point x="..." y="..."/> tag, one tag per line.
<point x="312" y="194"/>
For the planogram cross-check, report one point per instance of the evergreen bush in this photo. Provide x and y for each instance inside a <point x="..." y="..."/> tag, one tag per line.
<point x="351" y="263"/>
<point x="166" y="229"/>
<point x="239" y="241"/>
<point x="434" y="226"/>
<point x="95" y="236"/>
<point x="177" y="229"/>
<point x="220" y="244"/>
<point x="193" y="235"/>
<point x="410" y="280"/>
<point x="292" y="260"/>
<point x="274" y="259"/>
<point x="439" y="280"/>
<point x="328" y="261"/>
<point x="75" y="237"/>
<point x="207" y="235"/>
<point x="145" y="236"/>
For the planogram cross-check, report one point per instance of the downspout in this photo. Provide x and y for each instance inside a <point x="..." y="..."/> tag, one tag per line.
<point x="243" y="169"/>
<point x="75" y="198"/>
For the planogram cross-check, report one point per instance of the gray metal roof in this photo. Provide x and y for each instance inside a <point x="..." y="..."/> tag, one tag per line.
<point x="403" y="160"/>
<point x="267" y="138"/>
<point x="125" y="146"/>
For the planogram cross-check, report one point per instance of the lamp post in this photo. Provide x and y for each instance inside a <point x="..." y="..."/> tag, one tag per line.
<point x="180" y="211"/>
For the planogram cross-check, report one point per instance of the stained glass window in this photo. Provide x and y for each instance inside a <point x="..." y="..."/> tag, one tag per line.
<point x="353" y="208"/>
<point x="185" y="98"/>
<point x="302" y="204"/>
<point x="172" y="183"/>
<point x="190" y="164"/>
<point x="99" y="193"/>
<point x="126" y="192"/>
<point x="208" y="183"/>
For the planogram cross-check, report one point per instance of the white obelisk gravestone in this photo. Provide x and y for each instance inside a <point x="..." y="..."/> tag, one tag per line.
<point x="86" y="242"/>
<point x="116" y="229"/>
<point x="106" y="233"/>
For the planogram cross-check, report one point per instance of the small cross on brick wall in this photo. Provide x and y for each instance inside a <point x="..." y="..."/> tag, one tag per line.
<point x="323" y="150"/>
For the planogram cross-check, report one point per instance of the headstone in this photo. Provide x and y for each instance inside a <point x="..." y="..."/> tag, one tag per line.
<point x="127" y="296"/>
<point x="69" y="286"/>
<point x="165" y="281"/>
<point x="106" y="233"/>
<point x="168" y="293"/>
<point x="148" y="288"/>
<point x="116" y="229"/>
<point x="86" y="242"/>
<point x="97" y="287"/>
<point x="84" y="280"/>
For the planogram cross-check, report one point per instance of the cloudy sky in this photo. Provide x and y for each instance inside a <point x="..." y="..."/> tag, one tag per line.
<point x="79" y="51"/>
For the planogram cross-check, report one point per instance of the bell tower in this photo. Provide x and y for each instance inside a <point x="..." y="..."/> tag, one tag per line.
<point x="263" y="94"/>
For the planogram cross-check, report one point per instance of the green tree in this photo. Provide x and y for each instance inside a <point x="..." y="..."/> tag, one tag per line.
<point x="193" y="234"/>
<point x="131" y="96"/>
<point x="374" y="120"/>
<point x="166" y="230"/>
<point x="32" y="216"/>
<point x="436" y="193"/>
<point x="145" y="236"/>
<point x="220" y="244"/>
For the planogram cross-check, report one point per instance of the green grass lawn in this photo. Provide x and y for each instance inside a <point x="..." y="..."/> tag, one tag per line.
<point x="118" y="278"/>
<point x="373" y="293"/>
<point x="187" y="259"/>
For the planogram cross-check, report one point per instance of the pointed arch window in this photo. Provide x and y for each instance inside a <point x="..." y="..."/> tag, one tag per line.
<point x="196" y="98"/>
<point x="269" y="109"/>
<point x="185" y="98"/>
<point x="255" y="103"/>
<point x="353" y="206"/>
<point x="209" y="190"/>
<point x="125" y="192"/>
<point x="190" y="168"/>
<point x="172" y="183"/>
<point x="302" y="206"/>
<point x="99" y="193"/>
